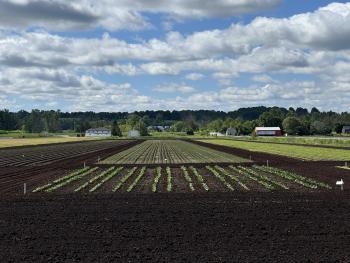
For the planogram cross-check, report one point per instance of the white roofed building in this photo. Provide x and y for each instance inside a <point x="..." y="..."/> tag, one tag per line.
<point x="98" y="132"/>
<point x="268" y="131"/>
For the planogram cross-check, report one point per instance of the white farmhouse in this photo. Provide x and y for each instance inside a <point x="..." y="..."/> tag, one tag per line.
<point x="98" y="132"/>
<point x="133" y="133"/>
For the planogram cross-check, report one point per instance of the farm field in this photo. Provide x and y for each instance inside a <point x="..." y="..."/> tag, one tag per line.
<point x="302" y="140"/>
<point x="211" y="178"/>
<point x="294" y="151"/>
<point x="211" y="227"/>
<point x="42" y="155"/>
<point x="16" y="142"/>
<point x="171" y="152"/>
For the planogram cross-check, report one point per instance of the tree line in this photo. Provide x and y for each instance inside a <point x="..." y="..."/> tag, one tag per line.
<point x="299" y="121"/>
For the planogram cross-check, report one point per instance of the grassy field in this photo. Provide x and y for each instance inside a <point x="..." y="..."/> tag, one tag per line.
<point x="294" y="151"/>
<point x="330" y="141"/>
<point x="171" y="151"/>
<point x="14" y="142"/>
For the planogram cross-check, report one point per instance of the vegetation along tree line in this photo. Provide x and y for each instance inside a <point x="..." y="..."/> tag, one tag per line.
<point x="299" y="121"/>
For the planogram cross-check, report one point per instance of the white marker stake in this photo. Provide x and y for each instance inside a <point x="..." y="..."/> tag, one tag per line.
<point x="84" y="165"/>
<point x="341" y="183"/>
<point x="267" y="163"/>
<point x="24" y="188"/>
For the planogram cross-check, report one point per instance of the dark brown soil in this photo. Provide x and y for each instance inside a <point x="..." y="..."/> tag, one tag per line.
<point x="238" y="227"/>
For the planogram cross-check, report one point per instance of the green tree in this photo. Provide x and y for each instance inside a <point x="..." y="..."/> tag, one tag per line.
<point x="116" y="130"/>
<point x="320" y="128"/>
<point x="272" y="118"/>
<point x="141" y="127"/>
<point x="178" y="126"/>
<point x="292" y="125"/>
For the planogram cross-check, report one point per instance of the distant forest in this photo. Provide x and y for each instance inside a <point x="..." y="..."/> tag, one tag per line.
<point x="293" y="121"/>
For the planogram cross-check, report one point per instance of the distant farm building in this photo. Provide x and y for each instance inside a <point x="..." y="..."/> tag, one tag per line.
<point x="98" y="132"/>
<point x="216" y="134"/>
<point x="346" y="130"/>
<point x="133" y="133"/>
<point x="268" y="131"/>
<point x="231" y="132"/>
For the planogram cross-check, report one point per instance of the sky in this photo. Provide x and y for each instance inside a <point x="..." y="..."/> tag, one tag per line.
<point x="132" y="55"/>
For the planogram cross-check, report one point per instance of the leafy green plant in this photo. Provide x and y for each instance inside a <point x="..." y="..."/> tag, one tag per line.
<point x="243" y="173"/>
<point x="169" y="185"/>
<point x="105" y="179"/>
<point x="220" y="177"/>
<point x="61" y="179"/>
<point x="263" y="177"/>
<point x="124" y="179"/>
<point x="138" y="178"/>
<point x="199" y="178"/>
<point x="187" y="177"/>
<point x="71" y="179"/>
<point x="156" y="179"/>
<point x="95" y="178"/>
<point x="234" y="178"/>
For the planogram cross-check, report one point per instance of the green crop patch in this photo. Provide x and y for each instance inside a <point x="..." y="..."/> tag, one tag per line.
<point x="294" y="151"/>
<point x="171" y="152"/>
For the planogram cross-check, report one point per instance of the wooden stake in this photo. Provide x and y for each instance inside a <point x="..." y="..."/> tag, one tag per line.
<point x="24" y="188"/>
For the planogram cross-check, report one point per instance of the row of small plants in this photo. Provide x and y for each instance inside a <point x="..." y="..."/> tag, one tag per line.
<point x="304" y="181"/>
<point x="220" y="177"/>
<point x="199" y="178"/>
<point x="243" y="173"/>
<point x="187" y="177"/>
<point x="263" y="178"/>
<point x="137" y="179"/>
<point x="93" y="179"/>
<point x="231" y="176"/>
<point x="61" y="179"/>
<point x="156" y="179"/>
<point x="234" y="178"/>
<point x="124" y="179"/>
<point x="106" y="179"/>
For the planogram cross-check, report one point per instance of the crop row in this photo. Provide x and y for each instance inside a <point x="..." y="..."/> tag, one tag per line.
<point x="170" y="151"/>
<point x="42" y="155"/>
<point x="193" y="179"/>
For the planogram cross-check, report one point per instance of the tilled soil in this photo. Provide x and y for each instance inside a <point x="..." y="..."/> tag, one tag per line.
<point x="239" y="227"/>
<point x="13" y="178"/>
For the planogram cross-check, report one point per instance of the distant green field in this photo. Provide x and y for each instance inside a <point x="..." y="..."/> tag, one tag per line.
<point x="338" y="141"/>
<point x="5" y="143"/>
<point x="294" y="151"/>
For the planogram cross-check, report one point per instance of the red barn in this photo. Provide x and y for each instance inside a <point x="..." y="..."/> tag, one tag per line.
<point x="268" y="131"/>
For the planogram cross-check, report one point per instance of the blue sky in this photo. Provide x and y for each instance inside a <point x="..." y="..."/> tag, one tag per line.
<point x="194" y="54"/>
